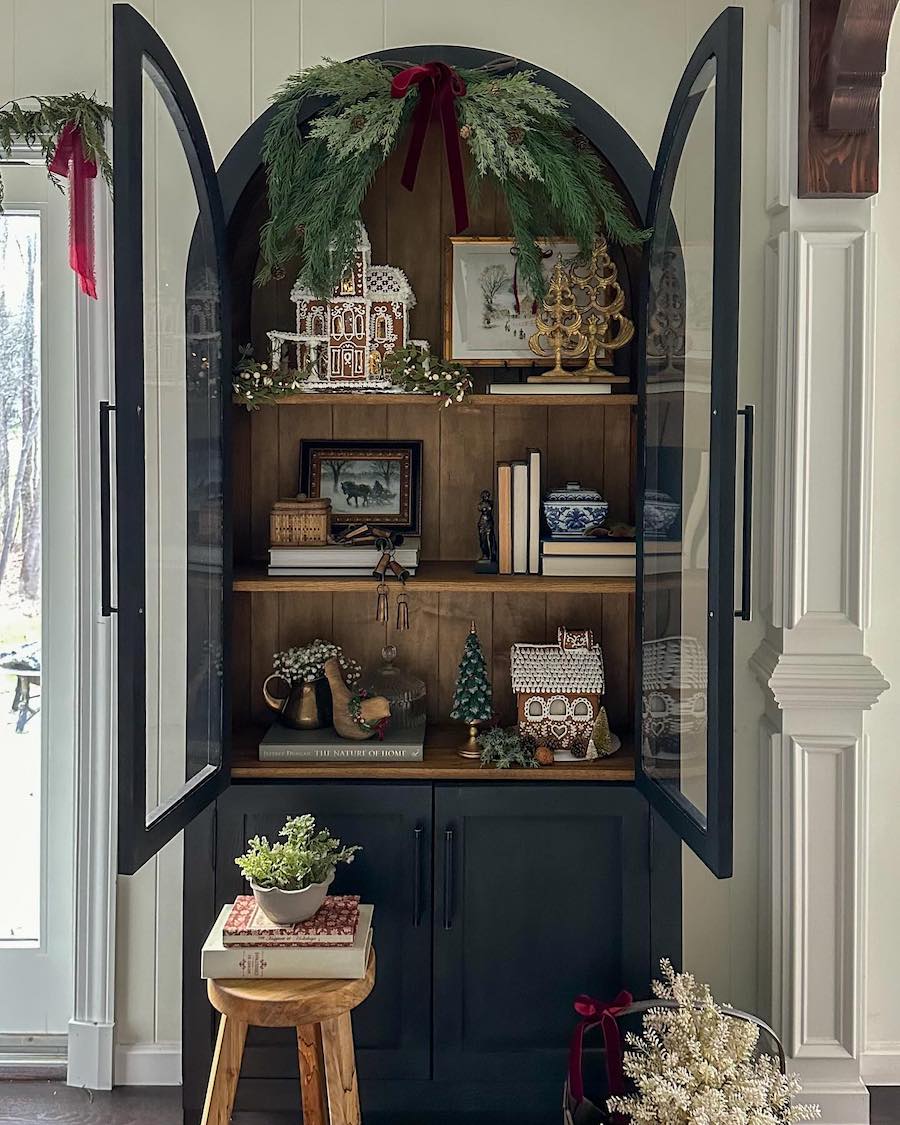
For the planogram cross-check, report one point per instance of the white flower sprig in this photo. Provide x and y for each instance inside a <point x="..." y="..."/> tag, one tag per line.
<point x="416" y="370"/>
<point x="694" y="1064"/>
<point x="256" y="384"/>
<point x="307" y="663"/>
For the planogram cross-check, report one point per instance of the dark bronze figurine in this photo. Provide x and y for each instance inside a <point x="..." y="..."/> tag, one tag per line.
<point x="487" y="535"/>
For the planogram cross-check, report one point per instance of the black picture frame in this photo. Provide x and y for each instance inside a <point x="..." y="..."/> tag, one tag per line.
<point x="315" y="452"/>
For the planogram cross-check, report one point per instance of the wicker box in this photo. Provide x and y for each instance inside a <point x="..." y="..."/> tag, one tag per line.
<point x="299" y="523"/>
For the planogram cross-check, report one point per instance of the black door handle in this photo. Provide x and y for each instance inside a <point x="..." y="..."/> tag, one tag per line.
<point x="106" y="606"/>
<point x="448" y="878"/>
<point x="747" y="517"/>
<point x="417" y="876"/>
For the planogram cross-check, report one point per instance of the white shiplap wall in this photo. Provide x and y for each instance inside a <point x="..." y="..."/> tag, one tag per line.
<point x="234" y="54"/>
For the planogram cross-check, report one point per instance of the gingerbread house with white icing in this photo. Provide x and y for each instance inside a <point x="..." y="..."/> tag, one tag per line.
<point x="558" y="690"/>
<point x="346" y="337"/>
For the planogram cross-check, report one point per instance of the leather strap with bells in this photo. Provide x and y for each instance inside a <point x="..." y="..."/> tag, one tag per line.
<point x="387" y="563"/>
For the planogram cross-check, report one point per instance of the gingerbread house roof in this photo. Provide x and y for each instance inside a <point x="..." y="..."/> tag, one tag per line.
<point x="389" y="283"/>
<point x="552" y="668"/>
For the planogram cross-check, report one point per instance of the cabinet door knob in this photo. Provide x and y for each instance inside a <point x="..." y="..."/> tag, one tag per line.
<point x="448" y="878"/>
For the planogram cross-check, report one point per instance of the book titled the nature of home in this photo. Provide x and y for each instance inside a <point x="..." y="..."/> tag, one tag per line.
<point x="281" y="744"/>
<point x="330" y="962"/>
<point x="333" y="924"/>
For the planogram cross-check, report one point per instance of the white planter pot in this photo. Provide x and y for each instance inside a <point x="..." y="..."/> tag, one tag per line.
<point x="285" y="907"/>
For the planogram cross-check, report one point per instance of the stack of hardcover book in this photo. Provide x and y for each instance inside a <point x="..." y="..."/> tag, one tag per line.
<point x="333" y="944"/>
<point x="601" y="557"/>
<point x="519" y="515"/>
<point x="338" y="560"/>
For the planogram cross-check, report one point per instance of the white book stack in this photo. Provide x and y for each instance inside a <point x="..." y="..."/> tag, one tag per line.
<point x="339" y="561"/>
<point x="579" y="558"/>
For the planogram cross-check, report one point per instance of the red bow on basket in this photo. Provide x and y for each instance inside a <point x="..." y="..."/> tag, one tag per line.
<point x="439" y="86"/>
<point x="604" y="1013"/>
<point x="70" y="162"/>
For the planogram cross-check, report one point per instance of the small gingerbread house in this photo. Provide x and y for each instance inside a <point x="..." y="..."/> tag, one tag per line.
<point x="346" y="337"/>
<point x="558" y="690"/>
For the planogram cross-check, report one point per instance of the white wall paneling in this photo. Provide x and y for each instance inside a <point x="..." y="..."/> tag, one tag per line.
<point x="813" y="664"/>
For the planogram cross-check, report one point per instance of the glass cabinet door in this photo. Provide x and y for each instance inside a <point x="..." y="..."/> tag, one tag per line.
<point x="686" y="504"/>
<point x="171" y="418"/>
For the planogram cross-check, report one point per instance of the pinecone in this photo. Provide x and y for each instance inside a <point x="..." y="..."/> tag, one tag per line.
<point x="544" y="756"/>
<point x="515" y="134"/>
<point x="357" y="123"/>
<point x="580" y="141"/>
<point x="465" y="132"/>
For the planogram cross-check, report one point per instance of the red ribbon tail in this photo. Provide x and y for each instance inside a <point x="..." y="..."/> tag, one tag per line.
<point x="454" y="159"/>
<point x="69" y="161"/>
<point x="420" y="121"/>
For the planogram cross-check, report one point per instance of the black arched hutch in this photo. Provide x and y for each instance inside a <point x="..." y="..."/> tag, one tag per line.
<point x="499" y="895"/>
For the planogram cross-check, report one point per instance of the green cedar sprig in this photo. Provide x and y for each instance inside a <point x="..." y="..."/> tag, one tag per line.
<point x="506" y="749"/>
<point x="42" y="124"/>
<point x="518" y="134"/>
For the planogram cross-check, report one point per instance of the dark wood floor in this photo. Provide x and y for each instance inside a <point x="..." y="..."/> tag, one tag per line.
<point x="42" y="1103"/>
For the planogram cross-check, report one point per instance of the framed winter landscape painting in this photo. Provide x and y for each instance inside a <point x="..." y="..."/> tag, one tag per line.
<point x="372" y="482"/>
<point x="489" y="309"/>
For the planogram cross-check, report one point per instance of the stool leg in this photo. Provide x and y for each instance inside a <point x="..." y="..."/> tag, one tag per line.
<point x="225" y="1071"/>
<point x="312" y="1074"/>
<point x="340" y="1070"/>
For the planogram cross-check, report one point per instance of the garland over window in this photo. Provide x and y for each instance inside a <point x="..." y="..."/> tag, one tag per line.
<point x="516" y="130"/>
<point x="70" y="130"/>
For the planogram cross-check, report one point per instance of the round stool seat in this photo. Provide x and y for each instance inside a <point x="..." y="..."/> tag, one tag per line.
<point x="289" y="1003"/>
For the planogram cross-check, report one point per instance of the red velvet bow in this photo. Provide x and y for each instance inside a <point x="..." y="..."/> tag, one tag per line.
<point x="439" y="86"/>
<point x="604" y="1013"/>
<point x="69" y="161"/>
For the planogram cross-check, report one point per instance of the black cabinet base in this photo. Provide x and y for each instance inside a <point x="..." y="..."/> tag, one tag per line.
<point x="421" y="1102"/>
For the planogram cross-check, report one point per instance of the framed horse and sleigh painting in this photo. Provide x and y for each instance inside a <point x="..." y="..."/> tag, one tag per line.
<point x="367" y="482"/>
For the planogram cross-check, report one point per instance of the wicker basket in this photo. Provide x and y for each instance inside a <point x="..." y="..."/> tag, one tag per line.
<point x="299" y="523"/>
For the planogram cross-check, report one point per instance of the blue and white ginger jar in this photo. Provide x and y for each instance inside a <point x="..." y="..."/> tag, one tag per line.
<point x="571" y="511"/>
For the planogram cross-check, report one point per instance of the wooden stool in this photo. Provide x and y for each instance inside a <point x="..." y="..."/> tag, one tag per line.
<point x="320" y="1011"/>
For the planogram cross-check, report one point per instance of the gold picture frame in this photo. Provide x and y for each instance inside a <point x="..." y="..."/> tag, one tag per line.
<point x="467" y="339"/>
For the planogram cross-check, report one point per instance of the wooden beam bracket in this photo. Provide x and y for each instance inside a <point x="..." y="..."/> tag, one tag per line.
<point x="843" y="58"/>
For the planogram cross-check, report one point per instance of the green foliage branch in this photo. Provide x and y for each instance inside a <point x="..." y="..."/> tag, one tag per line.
<point x="41" y="124"/>
<point x="305" y="857"/>
<point x="506" y="749"/>
<point x="518" y="133"/>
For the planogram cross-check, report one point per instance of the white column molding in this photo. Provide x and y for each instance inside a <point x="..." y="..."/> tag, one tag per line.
<point x="91" y="1043"/>
<point x="816" y="542"/>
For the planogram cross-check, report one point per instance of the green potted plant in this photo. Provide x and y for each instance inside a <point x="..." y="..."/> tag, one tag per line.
<point x="290" y="879"/>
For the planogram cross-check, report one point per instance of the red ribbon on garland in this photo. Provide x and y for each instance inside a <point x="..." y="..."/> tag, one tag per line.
<point x="439" y="86"/>
<point x="604" y="1013"/>
<point x="70" y="162"/>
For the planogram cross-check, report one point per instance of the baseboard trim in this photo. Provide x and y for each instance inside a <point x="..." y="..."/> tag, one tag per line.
<point x="880" y="1064"/>
<point x="90" y="1055"/>
<point x="148" y="1064"/>
<point x="33" y="1056"/>
<point x="842" y="1103"/>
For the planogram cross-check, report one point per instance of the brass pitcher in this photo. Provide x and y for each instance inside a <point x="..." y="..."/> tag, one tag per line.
<point x="306" y="706"/>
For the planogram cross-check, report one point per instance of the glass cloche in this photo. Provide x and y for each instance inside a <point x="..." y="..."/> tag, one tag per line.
<point x="404" y="692"/>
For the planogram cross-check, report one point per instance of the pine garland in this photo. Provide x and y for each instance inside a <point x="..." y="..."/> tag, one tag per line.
<point x="517" y="132"/>
<point x="43" y="124"/>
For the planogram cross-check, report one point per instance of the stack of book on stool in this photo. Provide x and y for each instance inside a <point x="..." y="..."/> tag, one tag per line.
<point x="333" y="944"/>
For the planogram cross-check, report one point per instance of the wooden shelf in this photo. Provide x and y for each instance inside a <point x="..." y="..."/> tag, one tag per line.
<point x="441" y="763"/>
<point x="614" y="399"/>
<point x="432" y="577"/>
